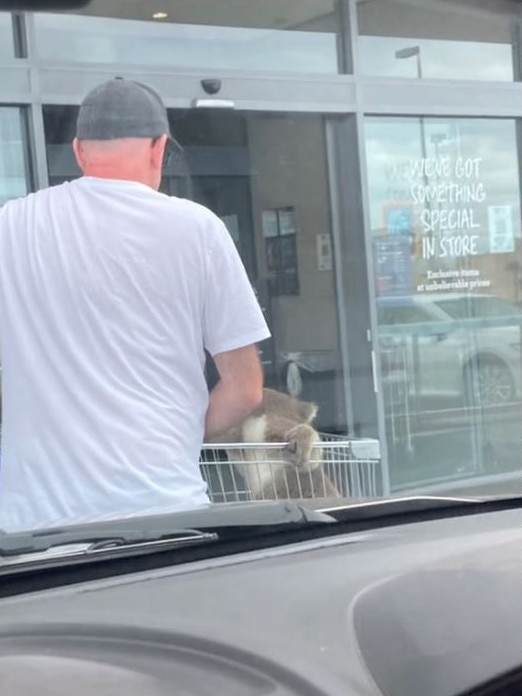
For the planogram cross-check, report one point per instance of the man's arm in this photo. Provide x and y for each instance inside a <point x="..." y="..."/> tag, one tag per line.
<point x="238" y="392"/>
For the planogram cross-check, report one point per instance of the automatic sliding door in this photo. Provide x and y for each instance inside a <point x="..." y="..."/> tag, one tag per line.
<point x="265" y="175"/>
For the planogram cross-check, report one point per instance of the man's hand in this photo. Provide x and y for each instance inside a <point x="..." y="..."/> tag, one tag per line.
<point x="238" y="392"/>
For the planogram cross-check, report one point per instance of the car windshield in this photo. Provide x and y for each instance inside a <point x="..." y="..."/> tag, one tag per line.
<point x="331" y="185"/>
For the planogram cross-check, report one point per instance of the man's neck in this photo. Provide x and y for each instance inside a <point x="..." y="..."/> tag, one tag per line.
<point x="117" y="174"/>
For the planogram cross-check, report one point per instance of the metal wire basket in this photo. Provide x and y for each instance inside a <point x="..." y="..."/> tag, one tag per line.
<point x="339" y="467"/>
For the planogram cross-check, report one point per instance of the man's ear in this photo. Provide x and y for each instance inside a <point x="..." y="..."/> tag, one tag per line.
<point x="158" y="151"/>
<point x="78" y="153"/>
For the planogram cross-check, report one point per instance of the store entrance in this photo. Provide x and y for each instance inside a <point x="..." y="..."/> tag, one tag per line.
<point x="265" y="175"/>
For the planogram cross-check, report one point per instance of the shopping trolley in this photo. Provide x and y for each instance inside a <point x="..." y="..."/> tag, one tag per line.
<point x="257" y="471"/>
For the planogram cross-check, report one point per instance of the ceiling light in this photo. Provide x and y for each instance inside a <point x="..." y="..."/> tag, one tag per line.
<point x="160" y="15"/>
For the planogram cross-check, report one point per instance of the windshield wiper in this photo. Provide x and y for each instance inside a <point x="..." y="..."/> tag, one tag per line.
<point x="98" y="540"/>
<point x="155" y="532"/>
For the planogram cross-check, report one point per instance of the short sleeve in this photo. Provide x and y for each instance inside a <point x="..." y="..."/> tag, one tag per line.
<point x="232" y="315"/>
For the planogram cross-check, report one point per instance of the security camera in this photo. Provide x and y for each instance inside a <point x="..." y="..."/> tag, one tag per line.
<point x="211" y="85"/>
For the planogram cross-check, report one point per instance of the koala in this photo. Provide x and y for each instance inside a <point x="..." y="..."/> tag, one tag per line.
<point x="297" y="471"/>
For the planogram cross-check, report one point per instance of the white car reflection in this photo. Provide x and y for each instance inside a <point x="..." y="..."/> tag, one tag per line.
<point x="453" y="345"/>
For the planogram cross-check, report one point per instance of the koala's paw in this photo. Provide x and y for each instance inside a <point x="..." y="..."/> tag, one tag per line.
<point x="300" y="452"/>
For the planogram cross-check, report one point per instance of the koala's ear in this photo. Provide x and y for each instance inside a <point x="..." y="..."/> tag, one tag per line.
<point x="307" y="411"/>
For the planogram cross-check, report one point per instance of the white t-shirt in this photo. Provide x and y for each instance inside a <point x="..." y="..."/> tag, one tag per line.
<point x="109" y="294"/>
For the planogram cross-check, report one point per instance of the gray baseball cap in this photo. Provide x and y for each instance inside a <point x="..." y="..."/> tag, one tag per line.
<point x="122" y="109"/>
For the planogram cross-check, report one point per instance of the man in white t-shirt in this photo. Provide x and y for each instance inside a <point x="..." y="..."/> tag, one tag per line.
<point x="110" y="293"/>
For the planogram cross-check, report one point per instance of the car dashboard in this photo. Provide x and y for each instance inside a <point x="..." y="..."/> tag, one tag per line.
<point x="432" y="608"/>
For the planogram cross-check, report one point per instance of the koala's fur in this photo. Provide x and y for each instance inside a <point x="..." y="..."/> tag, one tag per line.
<point x="298" y="472"/>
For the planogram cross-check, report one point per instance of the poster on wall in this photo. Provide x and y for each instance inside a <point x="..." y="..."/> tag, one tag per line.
<point x="279" y="231"/>
<point x="270" y="224"/>
<point x="287" y="224"/>
<point x="393" y="266"/>
<point x="393" y="251"/>
<point x="281" y="264"/>
<point x="399" y="219"/>
<point x="501" y="229"/>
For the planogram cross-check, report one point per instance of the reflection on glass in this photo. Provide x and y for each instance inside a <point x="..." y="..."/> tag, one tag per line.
<point x="6" y="36"/>
<point x="287" y="37"/>
<point x="446" y="236"/>
<point x="407" y="40"/>
<point x="13" y="174"/>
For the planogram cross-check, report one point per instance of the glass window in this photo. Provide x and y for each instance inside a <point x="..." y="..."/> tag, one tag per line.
<point x="445" y="41"/>
<point x="444" y="198"/>
<point x="13" y="161"/>
<point x="6" y="36"/>
<point x="281" y="35"/>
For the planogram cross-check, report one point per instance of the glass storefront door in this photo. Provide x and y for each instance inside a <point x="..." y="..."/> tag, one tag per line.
<point x="265" y="175"/>
<point x="444" y="200"/>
